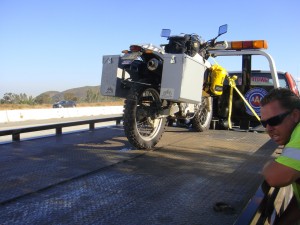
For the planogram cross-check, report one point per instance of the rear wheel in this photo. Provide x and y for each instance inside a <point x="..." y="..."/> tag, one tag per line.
<point x="203" y="116"/>
<point x="143" y="125"/>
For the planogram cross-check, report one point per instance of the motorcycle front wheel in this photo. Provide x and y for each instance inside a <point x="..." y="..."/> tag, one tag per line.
<point x="142" y="124"/>
<point x="203" y="116"/>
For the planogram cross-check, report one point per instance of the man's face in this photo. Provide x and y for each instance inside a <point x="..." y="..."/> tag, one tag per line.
<point x="280" y="133"/>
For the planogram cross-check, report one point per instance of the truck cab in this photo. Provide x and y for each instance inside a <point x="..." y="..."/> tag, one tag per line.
<point x="261" y="82"/>
<point x="252" y="84"/>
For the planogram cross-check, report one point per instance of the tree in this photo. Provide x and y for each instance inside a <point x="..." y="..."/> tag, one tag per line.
<point x="43" y="99"/>
<point x="11" y="98"/>
<point x="92" y="96"/>
<point x="8" y="98"/>
<point x="69" y="96"/>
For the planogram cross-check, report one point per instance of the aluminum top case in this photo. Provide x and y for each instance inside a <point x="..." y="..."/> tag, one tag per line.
<point x="182" y="78"/>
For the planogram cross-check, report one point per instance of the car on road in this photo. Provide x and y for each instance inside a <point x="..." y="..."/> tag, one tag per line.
<point x="261" y="83"/>
<point x="64" y="104"/>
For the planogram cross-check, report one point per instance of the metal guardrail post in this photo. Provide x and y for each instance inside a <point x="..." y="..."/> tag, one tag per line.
<point x="16" y="137"/>
<point x="118" y="121"/>
<point x="92" y="126"/>
<point x="58" y="130"/>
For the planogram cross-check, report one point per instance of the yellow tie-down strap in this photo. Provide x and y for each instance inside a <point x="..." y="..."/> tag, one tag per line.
<point x="232" y="85"/>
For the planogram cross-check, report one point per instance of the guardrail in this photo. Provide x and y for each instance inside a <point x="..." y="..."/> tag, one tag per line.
<point x="58" y="127"/>
<point x="19" y="115"/>
<point x="261" y="206"/>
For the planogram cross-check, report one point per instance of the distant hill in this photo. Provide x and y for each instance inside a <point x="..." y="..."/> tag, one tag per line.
<point x="50" y="93"/>
<point x="80" y="93"/>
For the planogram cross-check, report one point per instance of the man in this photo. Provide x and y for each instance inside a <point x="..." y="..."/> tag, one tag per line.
<point x="280" y="115"/>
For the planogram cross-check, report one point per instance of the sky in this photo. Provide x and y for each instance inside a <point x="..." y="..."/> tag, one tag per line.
<point x="55" y="45"/>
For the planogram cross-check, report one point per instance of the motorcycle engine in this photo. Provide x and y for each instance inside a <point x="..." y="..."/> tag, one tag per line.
<point x="186" y="108"/>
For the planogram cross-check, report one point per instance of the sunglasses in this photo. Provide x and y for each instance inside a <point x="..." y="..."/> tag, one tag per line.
<point x="275" y="120"/>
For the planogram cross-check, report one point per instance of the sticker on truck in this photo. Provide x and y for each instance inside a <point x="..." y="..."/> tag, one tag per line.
<point x="254" y="97"/>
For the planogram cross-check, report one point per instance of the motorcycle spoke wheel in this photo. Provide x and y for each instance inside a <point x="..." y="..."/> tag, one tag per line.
<point x="203" y="117"/>
<point x="142" y="124"/>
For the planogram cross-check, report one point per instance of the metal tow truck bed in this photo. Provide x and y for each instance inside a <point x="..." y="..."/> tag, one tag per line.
<point x="94" y="178"/>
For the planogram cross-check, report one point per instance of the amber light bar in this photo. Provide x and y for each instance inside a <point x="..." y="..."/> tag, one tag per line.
<point x="254" y="44"/>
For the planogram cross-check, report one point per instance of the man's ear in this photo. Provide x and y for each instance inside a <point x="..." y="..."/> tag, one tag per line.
<point x="296" y="115"/>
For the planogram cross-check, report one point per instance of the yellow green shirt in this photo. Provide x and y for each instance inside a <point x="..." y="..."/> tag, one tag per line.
<point x="291" y="157"/>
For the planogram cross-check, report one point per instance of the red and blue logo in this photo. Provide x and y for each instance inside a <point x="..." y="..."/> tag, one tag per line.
<point x="254" y="96"/>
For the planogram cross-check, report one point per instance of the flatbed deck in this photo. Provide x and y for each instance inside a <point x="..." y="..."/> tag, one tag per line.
<point x="96" y="177"/>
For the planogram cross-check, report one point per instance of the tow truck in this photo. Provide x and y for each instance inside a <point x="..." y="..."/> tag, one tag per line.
<point x="241" y="108"/>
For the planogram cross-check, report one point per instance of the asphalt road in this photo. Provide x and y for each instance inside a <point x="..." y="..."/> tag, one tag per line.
<point x="96" y="177"/>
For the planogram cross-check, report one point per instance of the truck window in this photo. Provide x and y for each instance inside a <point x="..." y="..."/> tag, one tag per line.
<point x="260" y="79"/>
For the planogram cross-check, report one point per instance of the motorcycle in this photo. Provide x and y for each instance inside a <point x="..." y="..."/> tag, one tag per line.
<point x="163" y="84"/>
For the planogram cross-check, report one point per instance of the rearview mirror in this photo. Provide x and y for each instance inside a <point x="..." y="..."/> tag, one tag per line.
<point x="222" y="29"/>
<point x="165" y="33"/>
